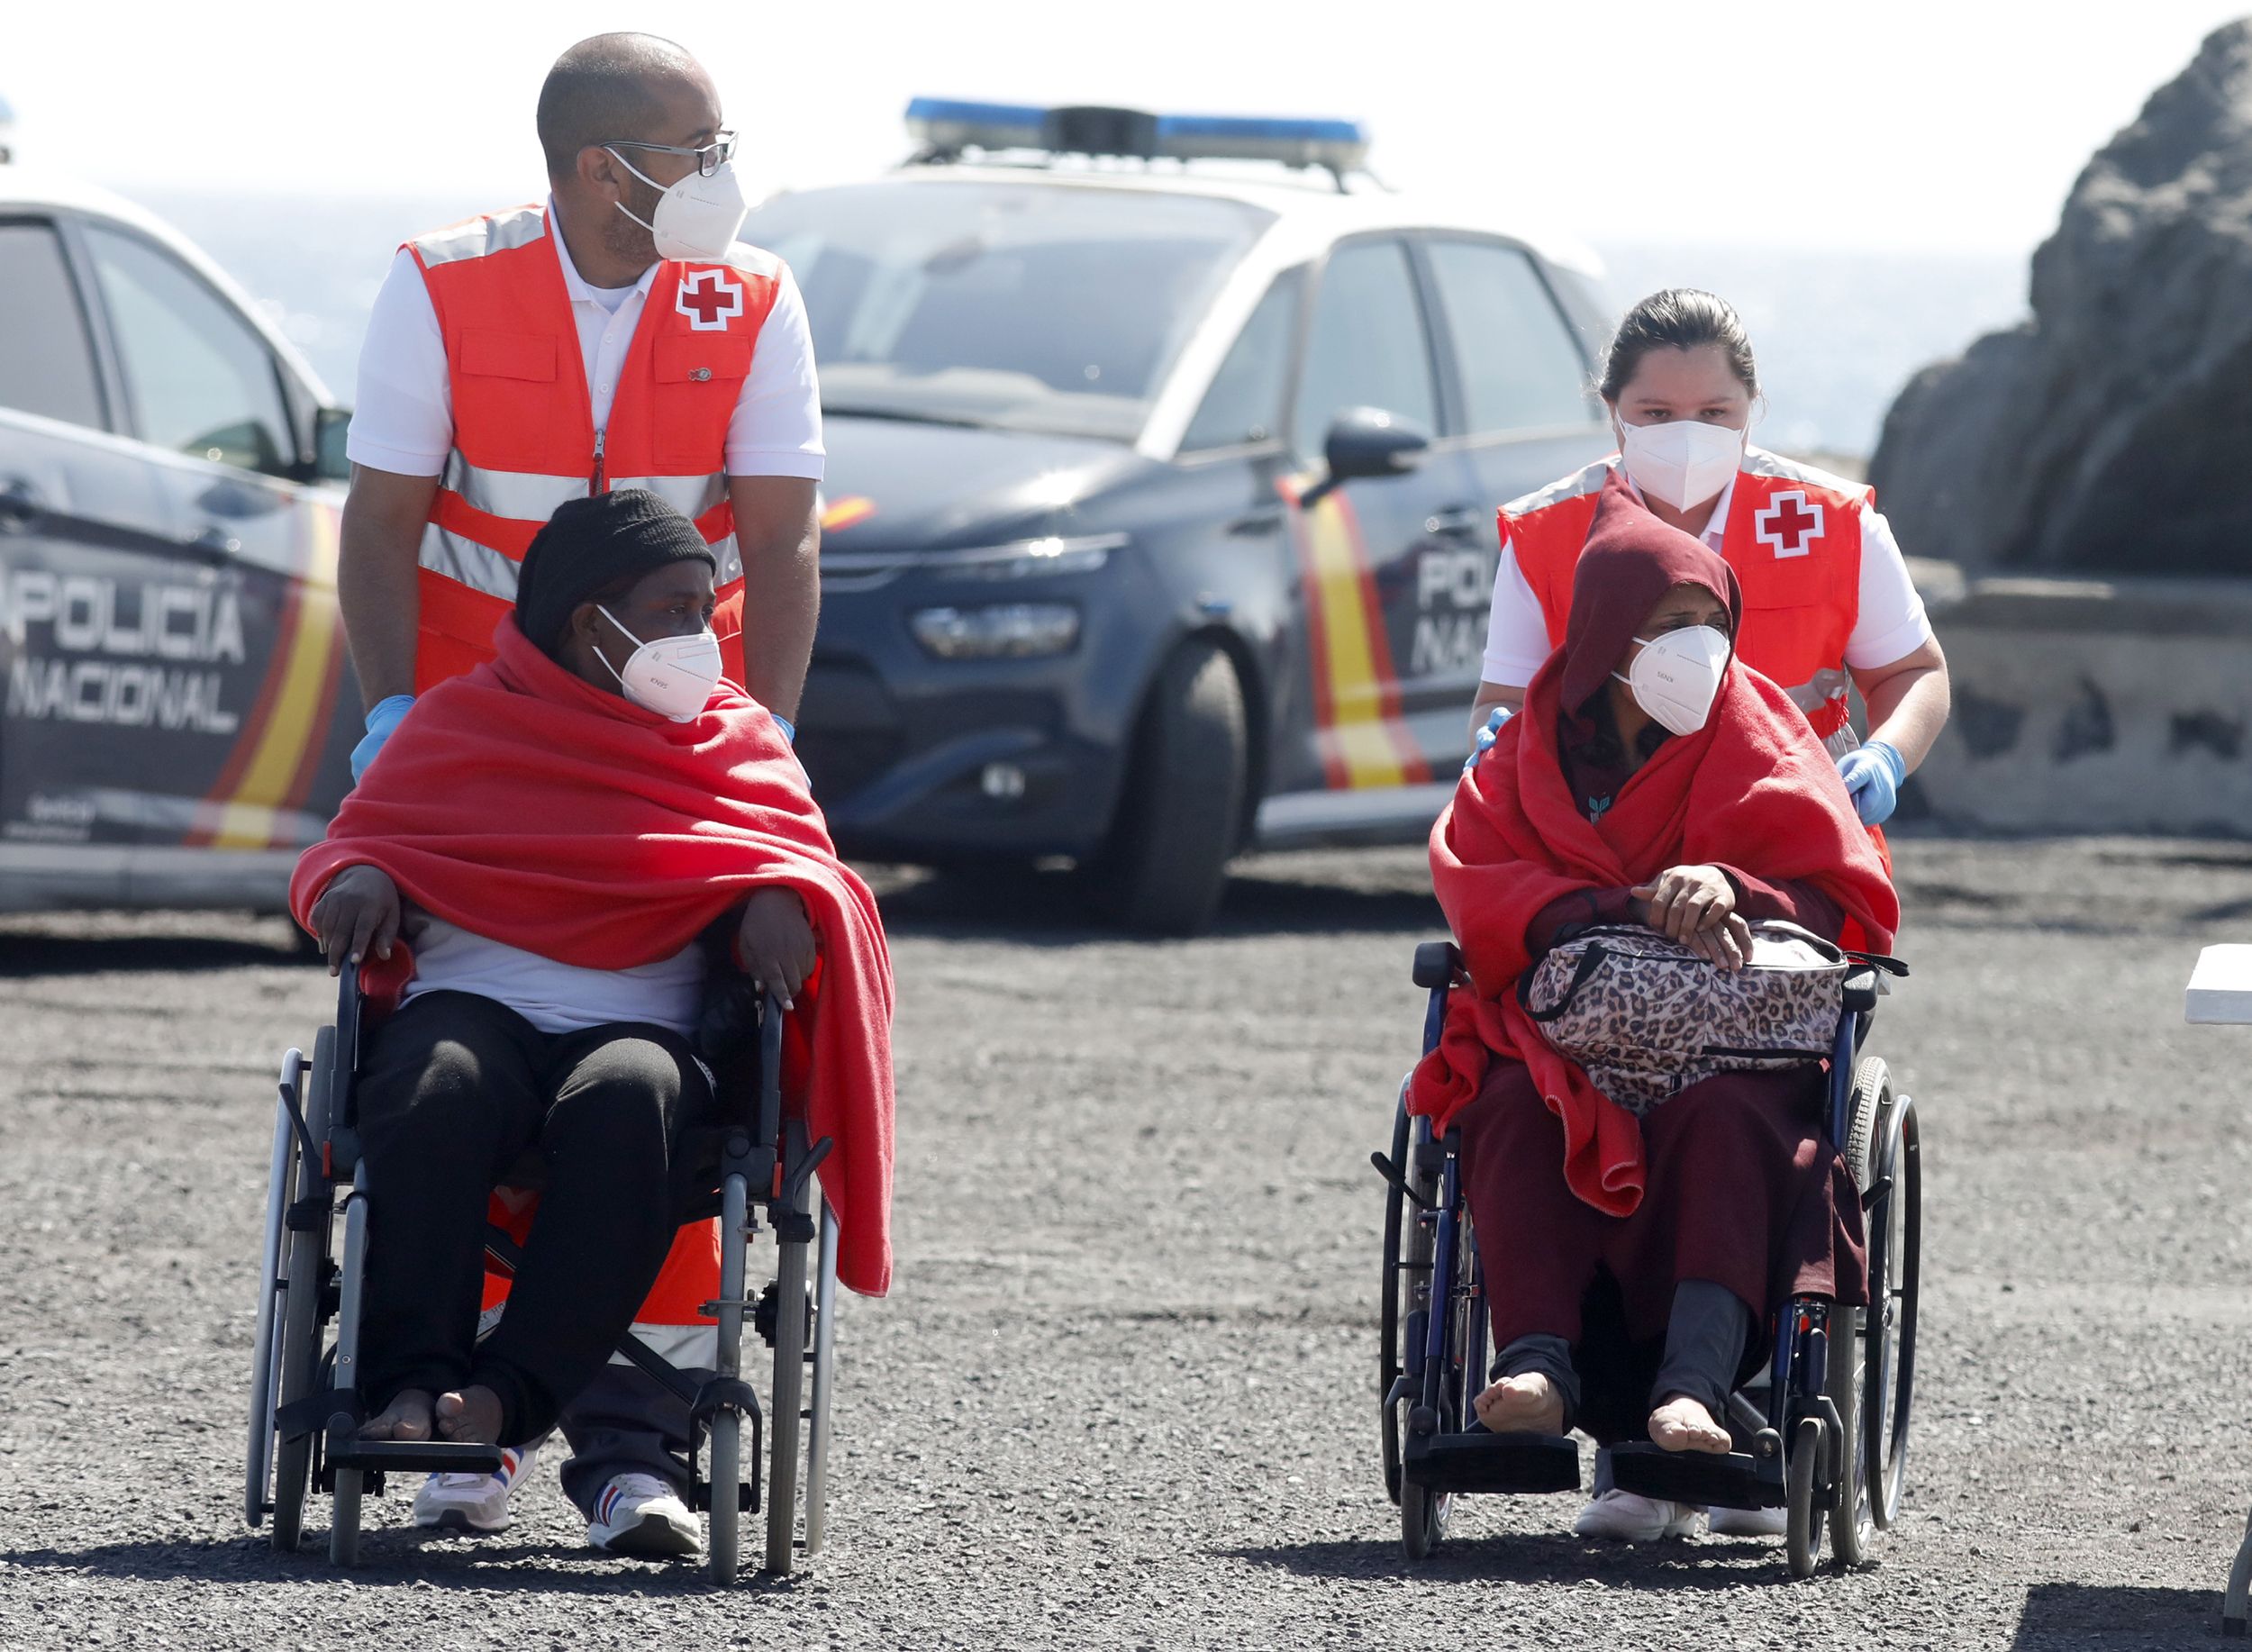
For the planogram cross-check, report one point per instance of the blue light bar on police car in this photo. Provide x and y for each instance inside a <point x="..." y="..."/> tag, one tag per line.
<point x="947" y="126"/>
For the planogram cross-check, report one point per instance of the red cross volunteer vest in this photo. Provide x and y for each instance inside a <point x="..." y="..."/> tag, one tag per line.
<point x="525" y="438"/>
<point x="1794" y="537"/>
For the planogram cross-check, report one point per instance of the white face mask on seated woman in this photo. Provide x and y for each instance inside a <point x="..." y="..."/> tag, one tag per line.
<point x="1677" y="675"/>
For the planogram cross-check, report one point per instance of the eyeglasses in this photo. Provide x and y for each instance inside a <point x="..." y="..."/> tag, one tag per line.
<point x="709" y="159"/>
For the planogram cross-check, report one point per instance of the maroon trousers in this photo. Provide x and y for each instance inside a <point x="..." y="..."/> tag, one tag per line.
<point x="1743" y="1190"/>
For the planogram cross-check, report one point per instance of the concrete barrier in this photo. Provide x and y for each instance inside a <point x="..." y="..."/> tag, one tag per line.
<point x="2092" y="705"/>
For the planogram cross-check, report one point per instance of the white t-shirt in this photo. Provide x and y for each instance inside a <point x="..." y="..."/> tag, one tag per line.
<point x="402" y="420"/>
<point x="1891" y="624"/>
<point x="556" y="997"/>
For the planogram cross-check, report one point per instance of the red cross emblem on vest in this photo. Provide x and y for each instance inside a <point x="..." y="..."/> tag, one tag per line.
<point x="709" y="300"/>
<point x="1790" y="524"/>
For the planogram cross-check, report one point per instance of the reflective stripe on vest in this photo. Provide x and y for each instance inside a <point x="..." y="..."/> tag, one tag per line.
<point x="525" y="440"/>
<point x="1793" y="538"/>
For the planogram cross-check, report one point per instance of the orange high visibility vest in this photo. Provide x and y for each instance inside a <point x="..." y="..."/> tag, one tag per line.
<point x="1794" y="537"/>
<point x="525" y="438"/>
<point x="523" y="442"/>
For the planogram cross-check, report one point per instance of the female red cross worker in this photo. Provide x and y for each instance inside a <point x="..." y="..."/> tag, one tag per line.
<point x="1828" y="603"/>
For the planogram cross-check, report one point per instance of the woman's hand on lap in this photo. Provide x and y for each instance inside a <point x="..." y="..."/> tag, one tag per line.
<point x="357" y="912"/>
<point x="775" y="943"/>
<point x="1697" y="906"/>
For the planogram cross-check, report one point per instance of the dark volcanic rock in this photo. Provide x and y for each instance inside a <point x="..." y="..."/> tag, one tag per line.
<point x="2115" y="429"/>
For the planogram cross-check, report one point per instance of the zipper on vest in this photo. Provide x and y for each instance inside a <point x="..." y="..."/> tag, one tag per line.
<point x="596" y="483"/>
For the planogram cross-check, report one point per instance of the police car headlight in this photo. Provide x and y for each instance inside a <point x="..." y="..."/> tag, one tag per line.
<point x="1053" y="555"/>
<point x="1014" y="630"/>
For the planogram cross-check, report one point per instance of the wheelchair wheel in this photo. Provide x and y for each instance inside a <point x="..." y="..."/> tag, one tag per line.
<point x="1852" y="1523"/>
<point x="348" y="1484"/>
<point x="1424" y="1514"/>
<point x="344" y="1518"/>
<point x="723" y="1547"/>
<point x="787" y="1420"/>
<point x="1895" y="1260"/>
<point x="821" y="1384"/>
<point x="1391" y="1361"/>
<point x="1802" y="1527"/>
<point x="304" y="1283"/>
<point x="265" y="1367"/>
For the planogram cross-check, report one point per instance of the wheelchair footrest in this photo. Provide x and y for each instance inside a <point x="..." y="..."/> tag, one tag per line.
<point x="443" y="1456"/>
<point x="1482" y="1462"/>
<point x="1737" y="1481"/>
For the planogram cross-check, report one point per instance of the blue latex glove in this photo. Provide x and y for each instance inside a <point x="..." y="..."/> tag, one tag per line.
<point x="381" y="721"/>
<point x="1872" y="773"/>
<point x="789" y="729"/>
<point x="1486" y="737"/>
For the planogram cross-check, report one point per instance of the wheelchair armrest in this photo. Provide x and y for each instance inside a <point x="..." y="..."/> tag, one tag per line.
<point x="1861" y="989"/>
<point x="1437" y="963"/>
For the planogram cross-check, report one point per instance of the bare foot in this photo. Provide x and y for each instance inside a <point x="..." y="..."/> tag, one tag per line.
<point x="471" y="1415"/>
<point x="1683" y="1424"/>
<point x="407" y="1417"/>
<point x="1526" y="1404"/>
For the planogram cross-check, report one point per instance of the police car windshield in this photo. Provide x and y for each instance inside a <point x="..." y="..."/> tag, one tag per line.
<point x="1017" y="306"/>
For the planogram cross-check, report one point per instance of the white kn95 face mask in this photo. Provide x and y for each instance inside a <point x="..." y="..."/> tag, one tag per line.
<point x="1680" y="461"/>
<point x="673" y="676"/>
<point x="697" y="218"/>
<point x="1677" y="675"/>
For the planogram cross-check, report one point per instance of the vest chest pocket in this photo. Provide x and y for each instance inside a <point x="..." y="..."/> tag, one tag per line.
<point x="506" y="396"/>
<point x="699" y="379"/>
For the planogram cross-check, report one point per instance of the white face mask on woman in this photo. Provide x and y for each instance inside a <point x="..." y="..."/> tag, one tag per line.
<point x="1677" y="675"/>
<point x="696" y="218"/>
<point x="1679" y="462"/>
<point x="673" y="676"/>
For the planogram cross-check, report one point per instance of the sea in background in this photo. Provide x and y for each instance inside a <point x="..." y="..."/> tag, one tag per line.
<point x="1837" y="332"/>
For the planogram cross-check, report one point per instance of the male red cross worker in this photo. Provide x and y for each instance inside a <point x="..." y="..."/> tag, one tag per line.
<point x="1828" y="603"/>
<point x="617" y="335"/>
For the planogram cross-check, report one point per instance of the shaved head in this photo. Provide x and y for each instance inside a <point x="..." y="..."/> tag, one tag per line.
<point x="608" y="87"/>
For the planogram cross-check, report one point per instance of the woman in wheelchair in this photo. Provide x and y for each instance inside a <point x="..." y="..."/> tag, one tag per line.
<point x="558" y="835"/>
<point x="1652" y="778"/>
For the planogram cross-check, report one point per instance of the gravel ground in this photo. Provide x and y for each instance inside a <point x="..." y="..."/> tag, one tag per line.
<point x="1123" y="1392"/>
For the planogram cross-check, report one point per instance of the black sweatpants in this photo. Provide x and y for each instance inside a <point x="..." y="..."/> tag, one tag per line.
<point x="453" y="1090"/>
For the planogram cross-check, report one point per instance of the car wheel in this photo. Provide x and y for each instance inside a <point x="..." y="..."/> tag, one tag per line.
<point x="1165" y="864"/>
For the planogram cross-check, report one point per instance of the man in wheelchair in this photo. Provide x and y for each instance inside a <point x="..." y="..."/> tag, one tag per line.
<point x="1635" y="1242"/>
<point x="566" y="837"/>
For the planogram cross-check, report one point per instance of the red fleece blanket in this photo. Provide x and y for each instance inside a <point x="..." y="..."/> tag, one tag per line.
<point x="533" y="808"/>
<point x="1752" y="789"/>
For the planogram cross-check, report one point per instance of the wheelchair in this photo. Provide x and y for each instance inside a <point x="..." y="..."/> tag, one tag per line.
<point x="305" y="1405"/>
<point x="1827" y="1441"/>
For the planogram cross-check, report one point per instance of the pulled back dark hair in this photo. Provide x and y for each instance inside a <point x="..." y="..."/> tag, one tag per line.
<point x="1679" y="318"/>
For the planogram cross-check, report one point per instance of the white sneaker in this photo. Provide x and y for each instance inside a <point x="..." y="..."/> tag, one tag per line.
<point x="640" y="1514"/>
<point x="474" y="1502"/>
<point x="1631" y="1517"/>
<point x="1750" y="1522"/>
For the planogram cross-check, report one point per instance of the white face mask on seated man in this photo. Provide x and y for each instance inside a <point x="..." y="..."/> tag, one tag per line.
<point x="673" y="676"/>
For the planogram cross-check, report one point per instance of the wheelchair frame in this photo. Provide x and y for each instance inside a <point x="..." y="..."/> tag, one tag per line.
<point x="305" y="1407"/>
<point x="1829" y="1443"/>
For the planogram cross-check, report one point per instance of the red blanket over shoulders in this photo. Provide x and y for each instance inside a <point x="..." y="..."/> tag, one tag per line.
<point x="533" y="808"/>
<point x="1752" y="789"/>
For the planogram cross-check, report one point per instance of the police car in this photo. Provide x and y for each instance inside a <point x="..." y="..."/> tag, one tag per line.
<point x="178" y="719"/>
<point x="1163" y="454"/>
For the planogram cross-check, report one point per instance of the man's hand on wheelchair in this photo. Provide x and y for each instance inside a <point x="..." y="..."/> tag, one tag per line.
<point x="1697" y="906"/>
<point x="775" y="943"/>
<point x="357" y="913"/>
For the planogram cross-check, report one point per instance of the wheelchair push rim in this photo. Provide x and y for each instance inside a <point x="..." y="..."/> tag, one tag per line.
<point x="266" y="1353"/>
<point x="1391" y="1361"/>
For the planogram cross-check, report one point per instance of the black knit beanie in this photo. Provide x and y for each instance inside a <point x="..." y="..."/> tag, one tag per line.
<point x="592" y="545"/>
